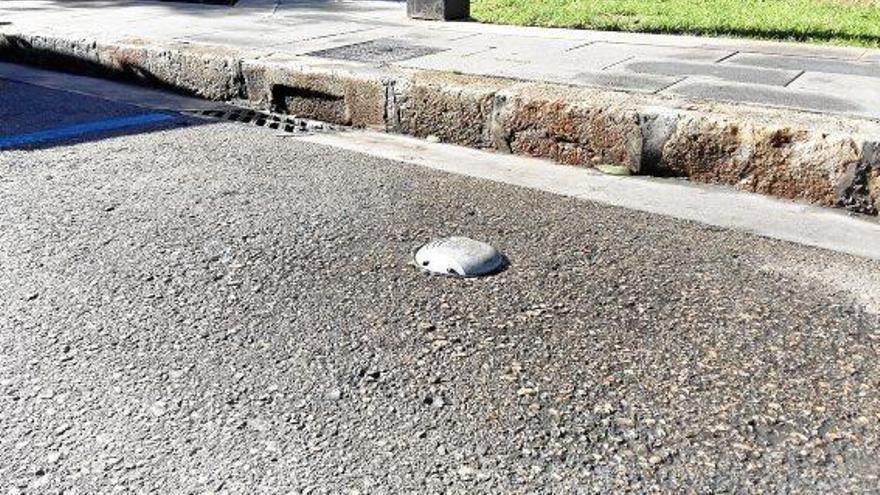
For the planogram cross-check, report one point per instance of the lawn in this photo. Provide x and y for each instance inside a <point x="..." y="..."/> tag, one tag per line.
<point x="841" y="22"/>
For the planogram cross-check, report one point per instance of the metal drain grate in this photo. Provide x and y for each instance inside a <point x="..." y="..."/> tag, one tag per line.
<point x="384" y="50"/>
<point x="274" y="121"/>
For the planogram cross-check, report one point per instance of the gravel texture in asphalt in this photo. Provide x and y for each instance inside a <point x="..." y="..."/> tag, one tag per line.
<point x="219" y="309"/>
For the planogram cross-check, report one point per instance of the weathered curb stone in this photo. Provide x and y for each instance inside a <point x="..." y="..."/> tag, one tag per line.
<point x="781" y="161"/>
<point x="866" y="183"/>
<point x="656" y="125"/>
<point x="829" y="160"/>
<point x="456" y="109"/>
<point x="210" y="72"/>
<point x="571" y="126"/>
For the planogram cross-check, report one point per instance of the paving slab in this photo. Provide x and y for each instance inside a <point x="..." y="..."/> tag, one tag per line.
<point x="572" y="74"/>
<point x="387" y="10"/>
<point x="618" y="81"/>
<point x="419" y="33"/>
<point x="478" y="64"/>
<point x="272" y="35"/>
<point x="158" y="30"/>
<point x="519" y="48"/>
<point x="632" y="50"/>
<point x="731" y="73"/>
<point x="505" y="64"/>
<point x="790" y="49"/>
<point x="588" y="73"/>
<point x="303" y="47"/>
<point x="865" y="91"/>
<point x="770" y="96"/>
<point x="563" y="61"/>
<point x="810" y="64"/>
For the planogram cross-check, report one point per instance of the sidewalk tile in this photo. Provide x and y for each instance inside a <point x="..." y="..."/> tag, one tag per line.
<point x="864" y="91"/>
<point x="622" y="81"/>
<point x="303" y="47"/>
<point x="270" y="36"/>
<point x="552" y="66"/>
<point x="454" y="62"/>
<point x="806" y="64"/>
<point x="628" y="50"/>
<point x="765" y="95"/>
<point x="731" y="73"/>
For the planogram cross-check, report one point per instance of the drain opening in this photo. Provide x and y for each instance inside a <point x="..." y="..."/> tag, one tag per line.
<point x="318" y="105"/>
<point x="289" y="125"/>
<point x="281" y="92"/>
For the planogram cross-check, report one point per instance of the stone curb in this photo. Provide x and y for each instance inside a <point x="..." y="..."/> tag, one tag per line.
<point x="828" y="160"/>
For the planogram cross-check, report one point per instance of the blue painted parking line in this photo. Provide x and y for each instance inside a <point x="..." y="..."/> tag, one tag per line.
<point x="72" y="131"/>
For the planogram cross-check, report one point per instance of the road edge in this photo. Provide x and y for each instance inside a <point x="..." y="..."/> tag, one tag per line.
<point x="820" y="159"/>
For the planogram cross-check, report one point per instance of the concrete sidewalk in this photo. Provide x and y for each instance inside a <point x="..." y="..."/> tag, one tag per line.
<point x="793" y="120"/>
<point x="817" y="78"/>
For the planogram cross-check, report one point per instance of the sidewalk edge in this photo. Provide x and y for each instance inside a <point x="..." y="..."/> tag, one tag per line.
<point x="821" y="159"/>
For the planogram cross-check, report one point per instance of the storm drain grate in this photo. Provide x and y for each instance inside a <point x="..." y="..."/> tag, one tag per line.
<point x="382" y="50"/>
<point x="265" y="119"/>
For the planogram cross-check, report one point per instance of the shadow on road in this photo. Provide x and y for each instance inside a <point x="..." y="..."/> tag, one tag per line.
<point x="36" y="117"/>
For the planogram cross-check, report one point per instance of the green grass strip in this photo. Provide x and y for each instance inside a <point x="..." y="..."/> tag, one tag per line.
<point x="840" y="22"/>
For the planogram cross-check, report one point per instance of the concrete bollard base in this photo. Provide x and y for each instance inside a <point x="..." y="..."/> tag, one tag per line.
<point x="438" y="10"/>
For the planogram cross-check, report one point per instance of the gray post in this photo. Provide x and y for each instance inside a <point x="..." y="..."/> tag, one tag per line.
<point x="438" y="10"/>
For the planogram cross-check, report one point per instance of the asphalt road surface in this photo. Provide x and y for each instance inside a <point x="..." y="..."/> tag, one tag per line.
<point x="192" y="307"/>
